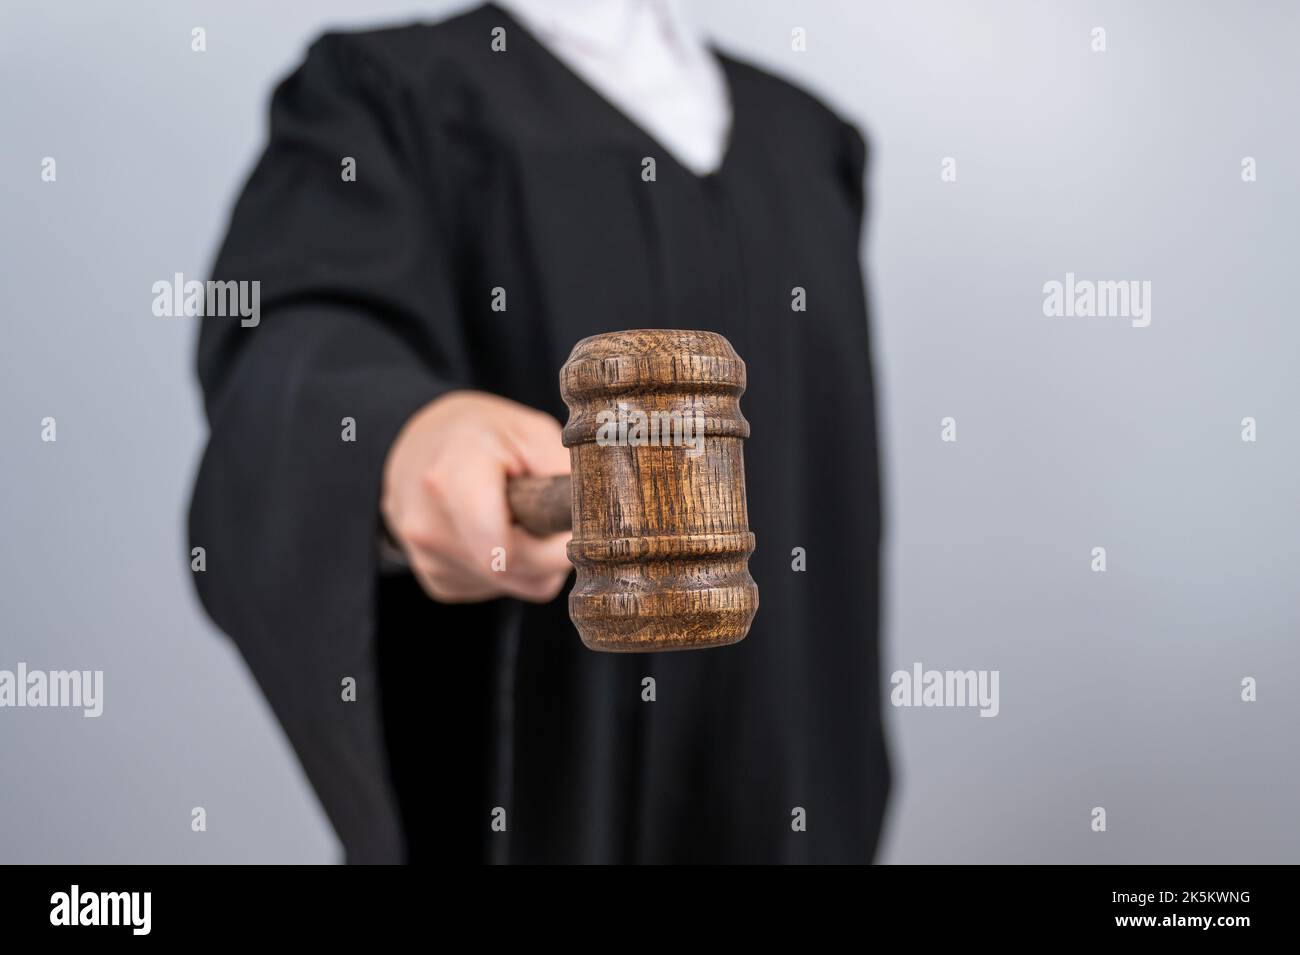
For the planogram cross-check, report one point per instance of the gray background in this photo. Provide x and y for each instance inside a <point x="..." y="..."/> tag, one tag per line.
<point x="1118" y="690"/>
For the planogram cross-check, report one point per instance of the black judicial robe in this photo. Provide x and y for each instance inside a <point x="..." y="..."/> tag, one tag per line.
<point x="478" y="170"/>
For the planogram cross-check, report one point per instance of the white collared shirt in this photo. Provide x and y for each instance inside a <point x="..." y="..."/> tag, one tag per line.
<point x="645" y="57"/>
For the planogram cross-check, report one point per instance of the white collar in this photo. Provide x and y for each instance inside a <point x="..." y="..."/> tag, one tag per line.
<point x="607" y="27"/>
<point x="646" y="58"/>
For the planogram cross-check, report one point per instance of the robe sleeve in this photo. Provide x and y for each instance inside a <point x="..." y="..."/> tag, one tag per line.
<point x="357" y="323"/>
<point x="853" y="168"/>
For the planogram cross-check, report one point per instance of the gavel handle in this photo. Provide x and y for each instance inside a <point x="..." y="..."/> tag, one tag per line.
<point x="541" y="505"/>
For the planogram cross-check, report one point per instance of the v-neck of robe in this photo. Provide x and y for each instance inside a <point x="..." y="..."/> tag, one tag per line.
<point x="621" y="118"/>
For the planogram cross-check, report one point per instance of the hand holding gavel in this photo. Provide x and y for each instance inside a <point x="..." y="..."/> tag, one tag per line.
<point x="444" y="505"/>
<point x="475" y="494"/>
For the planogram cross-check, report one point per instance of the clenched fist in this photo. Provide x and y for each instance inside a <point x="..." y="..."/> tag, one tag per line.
<point x="444" y="498"/>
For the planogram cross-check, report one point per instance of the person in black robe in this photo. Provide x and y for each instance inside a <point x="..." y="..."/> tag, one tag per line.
<point x="478" y="170"/>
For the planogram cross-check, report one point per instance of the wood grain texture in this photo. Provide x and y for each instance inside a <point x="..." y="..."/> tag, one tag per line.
<point x="541" y="505"/>
<point x="661" y="538"/>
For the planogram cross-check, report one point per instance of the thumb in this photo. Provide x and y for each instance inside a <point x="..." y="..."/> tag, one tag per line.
<point x="538" y="442"/>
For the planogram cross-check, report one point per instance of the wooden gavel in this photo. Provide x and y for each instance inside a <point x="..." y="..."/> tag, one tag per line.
<point x="656" y="502"/>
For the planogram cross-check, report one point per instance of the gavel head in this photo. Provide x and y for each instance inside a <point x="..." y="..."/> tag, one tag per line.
<point x="661" y="538"/>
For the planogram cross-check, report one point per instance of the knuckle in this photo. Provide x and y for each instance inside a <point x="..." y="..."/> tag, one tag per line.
<point x="439" y="587"/>
<point x="417" y="534"/>
<point x="434" y="481"/>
